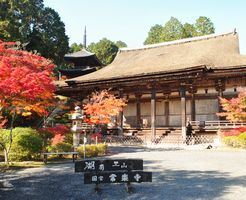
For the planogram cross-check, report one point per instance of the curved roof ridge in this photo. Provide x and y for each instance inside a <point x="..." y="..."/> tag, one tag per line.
<point x="81" y="53"/>
<point x="175" y="42"/>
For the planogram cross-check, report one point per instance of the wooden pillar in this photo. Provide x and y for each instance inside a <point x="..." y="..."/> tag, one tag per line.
<point x="166" y="106"/>
<point x="220" y="109"/>
<point x="183" y="111"/>
<point x="153" y="113"/>
<point x="120" y="122"/>
<point x="220" y="87"/>
<point x="138" y="109"/>
<point x="192" y="91"/>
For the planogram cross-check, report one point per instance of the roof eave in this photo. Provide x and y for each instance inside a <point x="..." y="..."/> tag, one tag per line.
<point x="201" y="68"/>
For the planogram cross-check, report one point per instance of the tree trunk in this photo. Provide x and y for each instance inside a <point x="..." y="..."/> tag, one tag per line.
<point x="7" y="149"/>
<point x="6" y="157"/>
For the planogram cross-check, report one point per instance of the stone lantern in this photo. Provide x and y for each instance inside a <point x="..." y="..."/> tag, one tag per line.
<point x="77" y="120"/>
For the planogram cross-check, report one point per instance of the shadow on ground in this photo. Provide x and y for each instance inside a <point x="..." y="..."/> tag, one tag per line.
<point x="61" y="183"/>
<point x="113" y="150"/>
<point x="58" y="181"/>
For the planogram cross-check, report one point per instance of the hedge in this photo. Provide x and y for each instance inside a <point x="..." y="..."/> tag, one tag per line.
<point x="26" y="145"/>
<point x="93" y="150"/>
<point x="236" y="141"/>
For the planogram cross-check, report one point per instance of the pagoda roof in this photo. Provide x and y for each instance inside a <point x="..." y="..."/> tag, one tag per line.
<point x="215" y="51"/>
<point x="79" y="54"/>
<point x="83" y="58"/>
<point x="77" y="72"/>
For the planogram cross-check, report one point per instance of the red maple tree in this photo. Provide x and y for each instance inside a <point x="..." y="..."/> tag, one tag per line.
<point x="235" y="108"/>
<point x="102" y="106"/>
<point x="56" y="134"/>
<point x="26" y="84"/>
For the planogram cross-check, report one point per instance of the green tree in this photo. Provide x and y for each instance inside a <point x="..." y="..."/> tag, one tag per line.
<point x="75" y="47"/>
<point x="154" y="35"/>
<point x="188" y="30"/>
<point x="40" y="29"/>
<point x="48" y="37"/>
<point x="17" y="17"/>
<point x="105" y="50"/>
<point x="173" y="30"/>
<point x="120" y="44"/>
<point x="203" y="26"/>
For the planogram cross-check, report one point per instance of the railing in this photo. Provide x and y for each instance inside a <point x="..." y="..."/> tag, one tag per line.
<point x="84" y="127"/>
<point x="123" y="140"/>
<point x="162" y="140"/>
<point x="216" y="124"/>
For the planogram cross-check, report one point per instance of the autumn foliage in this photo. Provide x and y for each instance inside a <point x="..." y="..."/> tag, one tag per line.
<point x="235" y="108"/>
<point x="26" y="83"/>
<point x="3" y="121"/>
<point x="55" y="134"/>
<point x="26" y="86"/>
<point x="234" y="132"/>
<point x="102" y="106"/>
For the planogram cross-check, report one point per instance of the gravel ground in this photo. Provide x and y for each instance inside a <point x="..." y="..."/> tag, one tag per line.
<point x="178" y="174"/>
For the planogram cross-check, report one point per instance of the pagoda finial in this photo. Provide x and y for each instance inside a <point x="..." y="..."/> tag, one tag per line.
<point x="85" y="38"/>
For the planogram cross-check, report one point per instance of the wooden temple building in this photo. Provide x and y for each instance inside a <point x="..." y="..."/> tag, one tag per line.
<point x="167" y="83"/>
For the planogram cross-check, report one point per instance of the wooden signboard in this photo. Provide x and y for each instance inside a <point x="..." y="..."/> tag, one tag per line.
<point x="108" y="165"/>
<point x="117" y="177"/>
<point x="113" y="171"/>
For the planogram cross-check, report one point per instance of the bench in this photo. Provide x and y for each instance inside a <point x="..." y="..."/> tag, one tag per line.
<point x="46" y="154"/>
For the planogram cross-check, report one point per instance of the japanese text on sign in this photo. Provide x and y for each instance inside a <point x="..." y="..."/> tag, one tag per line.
<point x="117" y="177"/>
<point x="108" y="165"/>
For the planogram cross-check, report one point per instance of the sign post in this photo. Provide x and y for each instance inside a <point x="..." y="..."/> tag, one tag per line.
<point x="85" y="140"/>
<point x="113" y="171"/>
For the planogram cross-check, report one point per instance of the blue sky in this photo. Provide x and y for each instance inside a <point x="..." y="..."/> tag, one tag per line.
<point x="130" y="20"/>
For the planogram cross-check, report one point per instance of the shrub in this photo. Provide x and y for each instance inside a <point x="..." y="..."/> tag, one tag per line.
<point x="93" y="150"/>
<point x="235" y="132"/>
<point x="46" y="137"/>
<point x="102" y="149"/>
<point x="231" y="141"/>
<point x="236" y="141"/>
<point x="54" y="135"/>
<point x="69" y="138"/>
<point x="60" y="147"/>
<point x="26" y="145"/>
<point x="242" y="140"/>
<point x="4" y="136"/>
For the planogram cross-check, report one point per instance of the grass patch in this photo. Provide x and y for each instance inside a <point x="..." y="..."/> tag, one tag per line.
<point x="59" y="158"/>
<point x="13" y="166"/>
